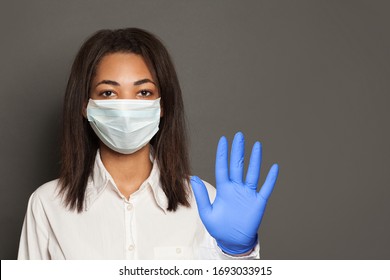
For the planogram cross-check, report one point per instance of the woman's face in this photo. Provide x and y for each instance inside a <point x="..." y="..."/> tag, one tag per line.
<point x="123" y="76"/>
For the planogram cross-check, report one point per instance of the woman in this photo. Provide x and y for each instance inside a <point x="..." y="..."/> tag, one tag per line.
<point x="124" y="188"/>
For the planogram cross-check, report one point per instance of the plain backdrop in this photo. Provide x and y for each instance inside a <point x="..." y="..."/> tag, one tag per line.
<point x="309" y="79"/>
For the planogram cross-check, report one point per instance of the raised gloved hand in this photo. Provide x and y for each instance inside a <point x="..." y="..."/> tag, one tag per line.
<point x="236" y="213"/>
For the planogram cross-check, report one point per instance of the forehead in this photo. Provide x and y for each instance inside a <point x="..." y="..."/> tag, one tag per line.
<point x="122" y="65"/>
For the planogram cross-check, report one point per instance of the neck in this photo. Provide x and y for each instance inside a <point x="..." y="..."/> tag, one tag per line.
<point x="128" y="171"/>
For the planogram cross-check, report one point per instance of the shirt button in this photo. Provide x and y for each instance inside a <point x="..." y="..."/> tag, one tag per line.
<point x="131" y="248"/>
<point x="130" y="207"/>
<point x="178" y="250"/>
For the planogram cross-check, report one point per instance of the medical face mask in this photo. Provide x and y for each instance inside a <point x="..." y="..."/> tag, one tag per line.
<point x="124" y="125"/>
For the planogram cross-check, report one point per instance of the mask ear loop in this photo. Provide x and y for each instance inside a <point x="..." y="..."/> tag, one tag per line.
<point x="84" y="110"/>
<point x="161" y="108"/>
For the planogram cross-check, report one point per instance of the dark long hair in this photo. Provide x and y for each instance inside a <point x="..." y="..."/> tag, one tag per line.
<point x="79" y="142"/>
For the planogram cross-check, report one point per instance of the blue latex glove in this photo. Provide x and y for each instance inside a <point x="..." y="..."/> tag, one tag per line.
<point x="236" y="213"/>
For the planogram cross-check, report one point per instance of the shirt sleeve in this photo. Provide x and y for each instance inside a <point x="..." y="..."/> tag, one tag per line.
<point x="34" y="238"/>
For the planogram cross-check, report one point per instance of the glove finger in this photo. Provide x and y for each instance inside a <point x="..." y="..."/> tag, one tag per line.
<point x="253" y="174"/>
<point x="237" y="158"/>
<point x="268" y="186"/>
<point x="221" y="162"/>
<point x="201" y="197"/>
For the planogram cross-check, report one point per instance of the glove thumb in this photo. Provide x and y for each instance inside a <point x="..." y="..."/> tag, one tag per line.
<point x="201" y="197"/>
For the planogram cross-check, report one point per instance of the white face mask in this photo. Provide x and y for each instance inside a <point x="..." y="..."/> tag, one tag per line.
<point x="124" y="125"/>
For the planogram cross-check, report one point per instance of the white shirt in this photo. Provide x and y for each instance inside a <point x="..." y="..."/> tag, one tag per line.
<point x="114" y="227"/>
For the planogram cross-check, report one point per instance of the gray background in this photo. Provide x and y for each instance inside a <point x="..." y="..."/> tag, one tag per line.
<point x="309" y="79"/>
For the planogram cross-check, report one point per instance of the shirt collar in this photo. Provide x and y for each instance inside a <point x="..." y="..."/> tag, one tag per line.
<point x="100" y="178"/>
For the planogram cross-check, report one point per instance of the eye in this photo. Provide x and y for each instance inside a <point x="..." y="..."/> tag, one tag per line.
<point x="144" y="93"/>
<point x="107" y="93"/>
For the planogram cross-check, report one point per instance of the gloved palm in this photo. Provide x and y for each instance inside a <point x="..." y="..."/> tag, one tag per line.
<point x="236" y="213"/>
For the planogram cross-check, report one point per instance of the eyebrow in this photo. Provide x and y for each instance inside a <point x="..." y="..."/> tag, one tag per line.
<point x="143" y="81"/>
<point x="108" y="82"/>
<point x="114" y="83"/>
